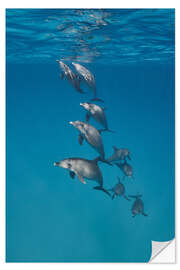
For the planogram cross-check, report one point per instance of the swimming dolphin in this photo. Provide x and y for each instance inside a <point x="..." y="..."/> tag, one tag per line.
<point x="96" y="112"/>
<point x="84" y="168"/>
<point x="126" y="168"/>
<point x="119" y="154"/>
<point x="87" y="77"/>
<point x="91" y="135"/>
<point x="72" y="78"/>
<point x="138" y="206"/>
<point x="119" y="190"/>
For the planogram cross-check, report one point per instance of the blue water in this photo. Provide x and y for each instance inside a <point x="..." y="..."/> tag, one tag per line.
<point x="49" y="216"/>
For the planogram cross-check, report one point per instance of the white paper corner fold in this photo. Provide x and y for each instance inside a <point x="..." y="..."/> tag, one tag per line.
<point x="163" y="252"/>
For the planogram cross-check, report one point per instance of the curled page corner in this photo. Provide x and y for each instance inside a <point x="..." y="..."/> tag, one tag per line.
<point x="163" y="252"/>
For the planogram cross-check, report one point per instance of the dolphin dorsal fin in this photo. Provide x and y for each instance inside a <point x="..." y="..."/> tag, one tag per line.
<point x="115" y="148"/>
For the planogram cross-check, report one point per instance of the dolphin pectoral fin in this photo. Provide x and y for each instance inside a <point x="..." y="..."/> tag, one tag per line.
<point x="144" y="214"/>
<point x="88" y="117"/>
<point x="62" y="75"/>
<point x="81" y="178"/>
<point x="72" y="174"/>
<point x="80" y="139"/>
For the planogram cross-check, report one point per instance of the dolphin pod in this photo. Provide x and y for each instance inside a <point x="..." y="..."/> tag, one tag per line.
<point x="89" y="169"/>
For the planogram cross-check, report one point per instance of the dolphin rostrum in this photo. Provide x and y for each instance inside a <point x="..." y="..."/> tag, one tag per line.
<point x="138" y="205"/>
<point x="119" y="154"/>
<point x="97" y="113"/>
<point x="119" y="190"/>
<point x="84" y="168"/>
<point x="72" y="78"/>
<point x="87" y="77"/>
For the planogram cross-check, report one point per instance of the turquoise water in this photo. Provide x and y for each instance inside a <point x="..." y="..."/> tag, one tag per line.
<point x="49" y="216"/>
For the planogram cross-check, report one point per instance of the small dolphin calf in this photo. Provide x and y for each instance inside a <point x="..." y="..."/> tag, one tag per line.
<point x="126" y="168"/>
<point x="119" y="190"/>
<point x="72" y="78"/>
<point x="138" y="206"/>
<point x="97" y="113"/>
<point x="84" y="168"/>
<point x="119" y="154"/>
<point x="91" y="135"/>
<point x="87" y="77"/>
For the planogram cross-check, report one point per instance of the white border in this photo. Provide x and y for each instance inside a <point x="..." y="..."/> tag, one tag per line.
<point x="70" y="4"/>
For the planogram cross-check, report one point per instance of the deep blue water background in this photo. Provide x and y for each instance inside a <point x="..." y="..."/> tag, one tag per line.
<point x="52" y="218"/>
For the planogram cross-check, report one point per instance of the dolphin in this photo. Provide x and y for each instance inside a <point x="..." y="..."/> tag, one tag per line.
<point x="119" y="154"/>
<point x="84" y="168"/>
<point x="72" y="78"/>
<point x="119" y="190"/>
<point x="138" y="206"/>
<point x="91" y="135"/>
<point x="88" y="78"/>
<point x="97" y="113"/>
<point x="126" y="168"/>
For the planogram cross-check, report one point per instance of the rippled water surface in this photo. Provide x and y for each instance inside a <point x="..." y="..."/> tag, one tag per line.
<point x="86" y="35"/>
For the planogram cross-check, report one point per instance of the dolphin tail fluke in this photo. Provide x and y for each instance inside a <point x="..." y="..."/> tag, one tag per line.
<point x="126" y="198"/>
<point x="105" y="129"/>
<point x="113" y="196"/>
<point x="102" y="160"/>
<point x="109" y="130"/>
<point x="118" y="164"/>
<point x="132" y="196"/>
<point x="81" y="91"/>
<point x="135" y="196"/>
<point x="97" y="99"/>
<point x="105" y="161"/>
<point x="104" y="190"/>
